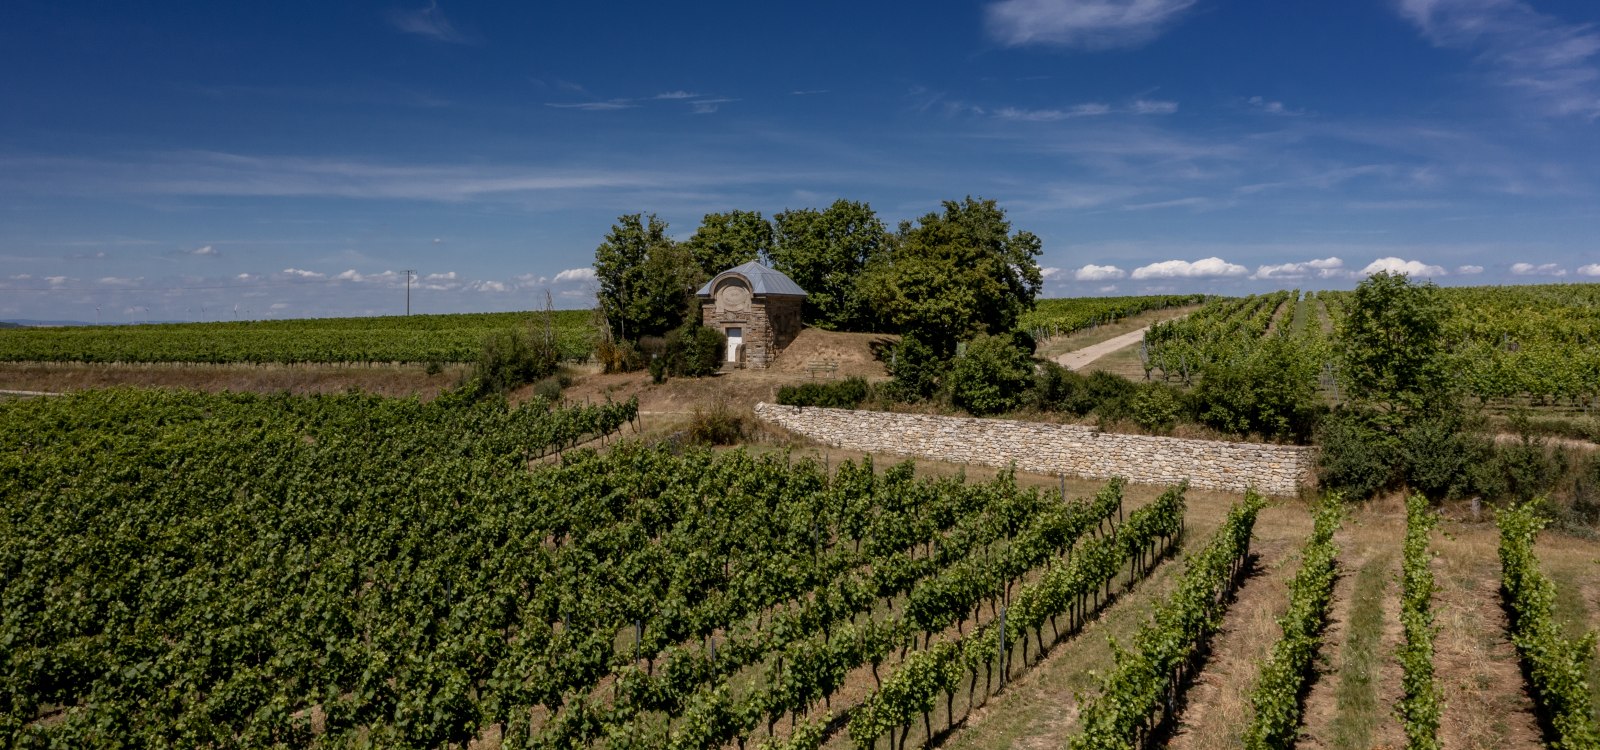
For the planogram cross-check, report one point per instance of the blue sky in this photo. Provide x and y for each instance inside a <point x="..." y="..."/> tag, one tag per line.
<point x="213" y="160"/>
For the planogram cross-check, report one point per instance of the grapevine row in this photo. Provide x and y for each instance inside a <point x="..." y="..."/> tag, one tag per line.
<point x="1554" y="664"/>
<point x="1419" y="701"/>
<point x="1142" y="690"/>
<point x="1276" y="698"/>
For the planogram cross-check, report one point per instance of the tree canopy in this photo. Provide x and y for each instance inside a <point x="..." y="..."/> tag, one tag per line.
<point x="954" y="275"/>
<point x="1391" y="348"/>
<point x="725" y="240"/>
<point x="646" y="279"/>
<point x="826" y="253"/>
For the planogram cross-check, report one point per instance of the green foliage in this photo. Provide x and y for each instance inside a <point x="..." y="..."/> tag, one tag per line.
<point x="1056" y="388"/>
<point x="1130" y="696"/>
<point x="1111" y="394"/>
<point x="1220" y="331"/>
<point x="1356" y="459"/>
<point x="1280" y="689"/>
<point x="1156" y="407"/>
<point x="513" y="358"/>
<point x="842" y="394"/>
<point x="827" y="252"/>
<point x="991" y="377"/>
<point x="1441" y="455"/>
<point x="694" y="350"/>
<point x="1268" y="388"/>
<point x="1554" y="664"/>
<point x="1527" y="468"/>
<point x="916" y="368"/>
<point x="725" y="240"/>
<point x="619" y="356"/>
<point x="646" y="280"/>
<point x="955" y="275"/>
<point x="1391" y="349"/>
<point x="1419" y="702"/>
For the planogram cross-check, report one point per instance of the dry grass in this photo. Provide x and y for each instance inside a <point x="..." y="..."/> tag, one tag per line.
<point x="387" y="380"/>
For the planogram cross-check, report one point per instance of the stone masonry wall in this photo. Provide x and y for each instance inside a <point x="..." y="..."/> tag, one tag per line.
<point x="1045" y="448"/>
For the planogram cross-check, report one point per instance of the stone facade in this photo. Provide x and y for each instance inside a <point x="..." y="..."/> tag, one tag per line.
<point x="768" y="322"/>
<point x="1045" y="448"/>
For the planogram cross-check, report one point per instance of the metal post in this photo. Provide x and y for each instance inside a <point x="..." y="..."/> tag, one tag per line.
<point x="409" y="273"/>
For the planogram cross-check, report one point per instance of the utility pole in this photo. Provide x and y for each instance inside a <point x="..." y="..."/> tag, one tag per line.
<point x="409" y="273"/>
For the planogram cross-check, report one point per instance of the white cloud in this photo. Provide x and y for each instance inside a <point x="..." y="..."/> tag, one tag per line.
<point x="1085" y="24"/>
<point x="1551" y="62"/>
<point x="1107" y="289"/>
<point x="428" y="22"/>
<point x="1153" y="107"/>
<point x="447" y="276"/>
<point x="1093" y="109"/>
<point x="1543" y="269"/>
<point x="1326" y="268"/>
<point x="244" y="277"/>
<point x="22" y="277"/>
<point x="1398" y="265"/>
<point x="1093" y="272"/>
<point x="679" y="94"/>
<point x="1593" y="269"/>
<point x="1049" y="273"/>
<point x="206" y="250"/>
<point x="1267" y="106"/>
<point x="279" y="306"/>
<point x="707" y="106"/>
<point x="118" y="281"/>
<point x="575" y="274"/>
<point x="350" y="275"/>
<point x="56" y="280"/>
<point x="304" y="274"/>
<point x="1176" y="269"/>
<point x="488" y="286"/>
<point x="1469" y="270"/>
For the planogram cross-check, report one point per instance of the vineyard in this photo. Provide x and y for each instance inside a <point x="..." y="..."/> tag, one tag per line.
<point x="1060" y="317"/>
<point x="413" y="338"/>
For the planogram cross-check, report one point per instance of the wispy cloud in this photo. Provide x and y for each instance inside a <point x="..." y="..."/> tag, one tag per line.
<point x="1082" y="24"/>
<point x="1542" y="269"/>
<point x="205" y="251"/>
<point x="1088" y="109"/>
<point x="614" y="104"/>
<point x="1152" y="107"/>
<point x="1269" y="107"/>
<point x="1469" y="270"/>
<point x="1552" y="62"/>
<point x="679" y="94"/>
<point x="807" y="92"/>
<point x="708" y="106"/>
<point x="428" y="22"/>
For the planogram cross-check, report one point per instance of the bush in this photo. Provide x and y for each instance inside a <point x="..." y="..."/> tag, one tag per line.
<point x="512" y="358"/>
<point x="1270" y="390"/>
<point x="550" y="388"/>
<point x="1156" y="407"/>
<point x="916" y="368"/>
<point x="694" y="351"/>
<point x="1528" y="468"/>
<point x="1055" y="388"/>
<point x="619" y="356"/>
<point x="1355" y="459"/>
<point x="1111" y="395"/>
<point x="991" y="376"/>
<point x="843" y="394"/>
<point x="1439" y="455"/>
<point x="716" y="426"/>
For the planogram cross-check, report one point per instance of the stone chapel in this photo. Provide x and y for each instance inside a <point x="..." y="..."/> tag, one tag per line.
<point x="757" y="308"/>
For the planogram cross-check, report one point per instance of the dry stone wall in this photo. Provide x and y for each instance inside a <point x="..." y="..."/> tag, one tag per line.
<point x="1044" y="448"/>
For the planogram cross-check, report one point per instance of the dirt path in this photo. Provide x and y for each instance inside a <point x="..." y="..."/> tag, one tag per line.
<point x="1485" y="702"/>
<point x="1077" y="360"/>
<point x="1217" y="706"/>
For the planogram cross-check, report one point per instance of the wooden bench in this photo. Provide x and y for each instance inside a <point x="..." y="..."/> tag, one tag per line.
<point x="819" y="366"/>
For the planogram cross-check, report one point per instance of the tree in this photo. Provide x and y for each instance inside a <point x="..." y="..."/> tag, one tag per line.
<point x="646" y="279"/>
<point x="1268" y="387"/>
<point x="956" y="275"/>
<point x="826" y="252"/>
<point x="727" y="240"/>
<point x="991" y="376"/>
<point x="1391" y="348"/>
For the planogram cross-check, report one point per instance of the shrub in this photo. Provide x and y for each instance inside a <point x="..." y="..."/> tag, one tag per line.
<point x="1269" y="390"/>
<point x="619" y="356"/>
<point x="990" y="377"/>
<point x="1438" y="454"/>
<point x="1355" y="459"/>
<point x="511" y="358"/>
<point x="1055" y="388"/>
<point x="1528" y="467"/>
<point x="549" y="388"/>
<point x="1156" y="407"/>
<point x="916" y="368"/>
<point x="1111" y="395"/>
<point x="716" y="426"/>
<point x="694" y="351"/>
<point x="842" y="394"/>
